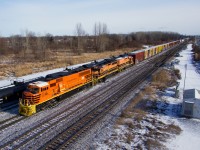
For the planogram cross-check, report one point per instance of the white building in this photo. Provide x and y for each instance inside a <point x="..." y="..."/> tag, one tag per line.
<point x="191" y="103"/>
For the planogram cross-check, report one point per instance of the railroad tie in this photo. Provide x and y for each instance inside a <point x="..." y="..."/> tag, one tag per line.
<point x="69" y="131"/>
<point x="60" y="140"/>
<point x="67" y="143"/>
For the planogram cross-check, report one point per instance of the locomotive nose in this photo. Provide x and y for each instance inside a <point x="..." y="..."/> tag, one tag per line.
<point x="27" y="93"/>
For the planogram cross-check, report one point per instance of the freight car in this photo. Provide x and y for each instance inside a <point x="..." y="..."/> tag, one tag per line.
<point x="138" y="56"/>
<point x="57" y="84"/>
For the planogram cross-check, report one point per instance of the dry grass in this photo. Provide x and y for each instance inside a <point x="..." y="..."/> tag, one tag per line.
<point x="139" y="114"/>
<point x="120" y="121"/>
<point x="131" y="112"/>
<point x="18" y="67"/>
<point x="149" y="90"/>
<point x="136" y="112"/>
<point x="162" y="76"/>
<point x="135" y="101"/>
<point x="173" y="129"/>
<point x="161" y="79"/>
<point x="165" y="78"/>
<point x="154" y="144"/>
<point x="126" y="114"/>
<point x="129" y="138"/>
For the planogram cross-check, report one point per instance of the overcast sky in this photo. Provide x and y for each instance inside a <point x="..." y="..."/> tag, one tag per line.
<point x="59" y="17"/>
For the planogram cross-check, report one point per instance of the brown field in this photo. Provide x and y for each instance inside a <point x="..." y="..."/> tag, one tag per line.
<point x="12" y="66"/>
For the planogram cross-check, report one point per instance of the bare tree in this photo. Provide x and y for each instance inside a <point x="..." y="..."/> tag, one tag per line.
<point x="2" y="46"/>
<point x="80" y="33"/>
<point x="16" y="44"/>
<point x="41" y="50"/>
<point x="100" y="35"/>
<point x="29" y="43"/>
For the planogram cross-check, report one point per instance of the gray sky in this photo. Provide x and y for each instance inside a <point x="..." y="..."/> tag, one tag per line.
<point x="59" y="17"/>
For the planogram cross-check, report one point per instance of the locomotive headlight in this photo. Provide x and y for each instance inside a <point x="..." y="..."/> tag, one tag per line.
<point x="83" y="78"/>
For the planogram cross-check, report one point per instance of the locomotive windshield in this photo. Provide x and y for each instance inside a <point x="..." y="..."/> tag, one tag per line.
<point x="33" y="90"/>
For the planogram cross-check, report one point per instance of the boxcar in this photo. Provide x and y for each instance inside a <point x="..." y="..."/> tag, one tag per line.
<point x="138" y="56"/>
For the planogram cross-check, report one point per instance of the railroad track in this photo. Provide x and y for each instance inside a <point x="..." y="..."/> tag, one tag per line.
<point x="10" y="121"/>
<point x="45" y="125"/>
<point x="57" y="118"/>
<point x="63" y="140"/>
<point x="71" y="133"/>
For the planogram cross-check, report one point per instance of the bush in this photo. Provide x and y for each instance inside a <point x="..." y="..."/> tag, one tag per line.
<point x="161" y="79"/>
<point x="173" y="129"/>
<point x="126" y="114"/>
<point x="162" y="76"/>
<point x="149" y="90"/>
<point x="129" y="138"/>
<point x="130" y="124"/>
<point x="120" y="121"/>
<point x="154" y="144"/>
<point x="177" y="73"/>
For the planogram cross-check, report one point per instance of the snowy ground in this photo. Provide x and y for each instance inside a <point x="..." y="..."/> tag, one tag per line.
<point x="189" y="138"/>
<point x="190" y="135"/>
<point x="138" y="134"/>
<point x="192" y="72"/>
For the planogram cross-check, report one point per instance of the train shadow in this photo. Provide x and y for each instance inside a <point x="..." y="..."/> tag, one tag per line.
<point x="10" y="107"/>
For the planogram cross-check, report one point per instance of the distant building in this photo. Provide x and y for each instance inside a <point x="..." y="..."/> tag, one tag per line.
<point x="191" y="103"/>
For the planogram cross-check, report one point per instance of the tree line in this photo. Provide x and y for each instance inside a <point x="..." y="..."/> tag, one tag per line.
<point x="32" y="45"/>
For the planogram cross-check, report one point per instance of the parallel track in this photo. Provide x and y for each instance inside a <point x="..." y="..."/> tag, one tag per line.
<point x="63" y="140"/>
<point x="90" y="116"/>
<point x="86" y="101"/>
<point x="71" y="133"/>
<point x="10" y="121"/>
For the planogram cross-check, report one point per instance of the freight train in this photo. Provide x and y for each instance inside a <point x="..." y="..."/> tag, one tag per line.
<point x="56" y="84"/>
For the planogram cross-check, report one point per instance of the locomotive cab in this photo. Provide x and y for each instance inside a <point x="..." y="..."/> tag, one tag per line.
<point x="33" y="89"/>
<point x="31" y="97"/>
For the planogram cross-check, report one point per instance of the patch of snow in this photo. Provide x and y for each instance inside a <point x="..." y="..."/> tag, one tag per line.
<point x="146" y="46"/>
<point x="186" y="66"/>
<point x="189" y="138"/>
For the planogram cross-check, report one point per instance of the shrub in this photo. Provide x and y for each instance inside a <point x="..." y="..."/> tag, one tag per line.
<point x="173" y="129"/>
<point x="162" y="76"/>
<point x="126" y="114"/>
<point x="120" y="121"/>
<point x="149" y="90"/>
<point x="130" y="124"/>
<point x="154" y="144"/>
<point x="177" y="73"/>
<point x="129" y="137"/>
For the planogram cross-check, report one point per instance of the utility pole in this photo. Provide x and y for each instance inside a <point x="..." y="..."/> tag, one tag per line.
<point x="185" y="77"/>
